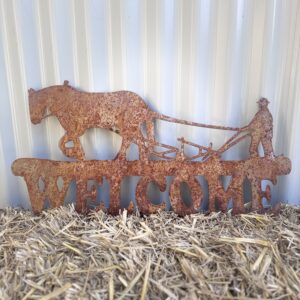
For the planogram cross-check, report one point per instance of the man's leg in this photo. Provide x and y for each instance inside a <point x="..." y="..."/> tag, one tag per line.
<point x="255" y="139"/>
<point x="267" y="144"/>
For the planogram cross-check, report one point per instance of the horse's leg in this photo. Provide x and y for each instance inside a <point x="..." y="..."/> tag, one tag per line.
<point x="124" y="146"/>
<point x="140" y="142"/>
<point x="62" y="143"/>
<point x="150" y="135"/>
<point x="136" y="137"/>
<point x="76" y="151"/>
<point x="144" y="151"/>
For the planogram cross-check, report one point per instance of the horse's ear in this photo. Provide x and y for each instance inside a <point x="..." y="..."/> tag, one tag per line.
<point x="30" y="91"/>
<point x="66" y="82"/>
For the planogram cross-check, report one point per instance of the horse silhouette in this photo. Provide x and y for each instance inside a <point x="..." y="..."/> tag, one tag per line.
<point x="123" y="112"/>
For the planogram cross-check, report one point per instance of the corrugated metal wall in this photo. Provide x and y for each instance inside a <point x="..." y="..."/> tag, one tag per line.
<point x="207" y="61"/>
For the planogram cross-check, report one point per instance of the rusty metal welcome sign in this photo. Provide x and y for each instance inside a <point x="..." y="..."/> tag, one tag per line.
<point x="126" y="113"/>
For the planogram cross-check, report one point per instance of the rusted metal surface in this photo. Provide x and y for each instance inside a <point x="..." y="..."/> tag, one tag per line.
<point x="125" y="113"/>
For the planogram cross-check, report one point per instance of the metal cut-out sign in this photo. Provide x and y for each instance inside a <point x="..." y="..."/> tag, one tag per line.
<point x="126" y="113"/>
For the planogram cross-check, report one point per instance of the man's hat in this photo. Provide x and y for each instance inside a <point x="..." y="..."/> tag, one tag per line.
<point x="263" y="101"/>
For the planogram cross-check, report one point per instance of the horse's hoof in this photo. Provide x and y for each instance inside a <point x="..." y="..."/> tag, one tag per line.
<point x="80" y="156"/>
<point x="70" y="152"/>
<point x="144" y="159"/>
<point x="119" y="158"/>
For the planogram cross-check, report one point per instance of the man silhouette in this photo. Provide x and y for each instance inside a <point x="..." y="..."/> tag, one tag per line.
<point x="261" y="130"/>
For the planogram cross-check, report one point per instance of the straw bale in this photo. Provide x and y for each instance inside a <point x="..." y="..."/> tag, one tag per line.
<point x="60" y="254"/>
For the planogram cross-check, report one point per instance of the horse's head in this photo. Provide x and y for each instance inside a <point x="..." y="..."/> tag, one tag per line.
<point x="37" y="105"/>
<point x="53" y="98"/>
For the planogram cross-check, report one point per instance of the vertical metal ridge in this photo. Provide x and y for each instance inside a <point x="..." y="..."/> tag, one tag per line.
<point x="279" y="86"/>
<point x="9" y="78"/>
<point x="193" y="72"/>
<point x="212" y="83"/>
<point x="116" y="45"/>
<point x="167" y="68"/>
<point x="246" y="56"/>
<point x="156" y="72"/>
<point x="41" y="48"/>
<point x="178" y="67"/>
<point x="110" y="59"/>
<point x="98" y="30"/>
<point x="162" y="81"/>
<point x="88" y="46"/>
<point x="187" y="58"/>
<point x="234" y="69"/>
<point x="23" y="80"/>
<point x="289" y="106"/>
<point x="27" y="29"/>
<point x="234" y="56"/>
<point x="204" y="58"/>
<point x="59" y="132"/>
<point x="22" y="147"/>
<point x="224" y="63"/>
<point x="268" y="51"/>
<point x="115" y="53"/>
<point x="57" y="78"/>
<point x="133" y="34"/>
<point x="151" y="52"/>
<point x="74" y="42"/>
<point x="83" y="65"/>
<point x="123" y="44"/>
<point x="158" y="56"/>
<point x="257" y="44"/>
<point x="89" y="63"/>
<point x="290" y="186"/>
<point x="192" y="63"/>
<point x="4" y="188"/>
<point x="281" y="82"/>
<point x="144" y="47"/>
<point x="109" y="42"/>
<point x="4" y="192"/>
<point x="290" y="19"/>
<point x="82" y="44"/>
<point x="44" y="79"/>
